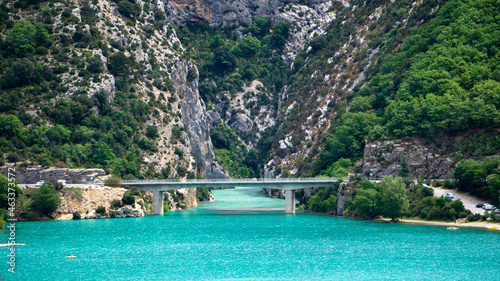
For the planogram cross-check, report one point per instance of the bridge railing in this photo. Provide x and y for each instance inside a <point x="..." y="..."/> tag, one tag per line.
<point x="230" y="181"/>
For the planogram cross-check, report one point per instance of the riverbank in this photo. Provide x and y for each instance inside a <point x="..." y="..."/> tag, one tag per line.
<point x="480" y="225"/>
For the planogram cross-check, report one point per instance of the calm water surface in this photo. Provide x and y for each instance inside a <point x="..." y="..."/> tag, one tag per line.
<point x="210" y="244"/>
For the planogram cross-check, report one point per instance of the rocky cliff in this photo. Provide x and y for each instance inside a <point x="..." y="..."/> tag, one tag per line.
<point x="318" y="87"/>
<point x="110" y="50"/>
<point x="86" y="200"/>
<point x="412" y="157"/>
<point x="194" y="117"/>
<point x="32" y="174"/>
<point x="222" y="12"/>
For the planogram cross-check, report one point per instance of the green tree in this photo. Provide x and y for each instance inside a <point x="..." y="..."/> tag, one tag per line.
<point x="100" y="210"/>
<point x="470" y="176"/>
<point x="365" y="202"/>
<point x="217" y="41"/>
<point x="192" y="74"/>
<point x="494" y="185"/>
<point x="338" y="169"/>
<point x="22" y="72"/>
<point x="102" y="153"/>
<point x="10" y="126"/>
<point x="76" y="215"/>
<point x="128" y="198"/>
<point x="404" y="171"/>
<point x="224" y="61"/>
<point x="260" y="27"/>
<point x="95" y="64"/>
<point x="323" y="200"/>
<point x="203" y="194"/>
<point x="347" y="140"/>
<point x="113" y="180"/>
<point x="45" y="199"/>
<point x="128" y="9"/>
<point x="394" y="201"/>
<point x="247" y="48"/>
<point x="120" y="64"/>
<point x="481" y="178"/>
<point x="318" y="43"/>
<point x="152" y="132"/>
<point x="4" y="192"/>
<point x="42" y="36"/>
<point x="22" y="37"/>
<point x="280" y="35"/>
<point x="2" y="223"/>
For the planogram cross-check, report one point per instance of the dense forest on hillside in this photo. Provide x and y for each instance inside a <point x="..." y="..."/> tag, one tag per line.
<point x="435" y="72"/>
<point x="442" y="77"/>
<point x="439" y="78"/>
<point x="439" y="75"/>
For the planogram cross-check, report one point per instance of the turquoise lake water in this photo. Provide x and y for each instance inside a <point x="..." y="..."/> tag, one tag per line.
<point x="212" y="244"/>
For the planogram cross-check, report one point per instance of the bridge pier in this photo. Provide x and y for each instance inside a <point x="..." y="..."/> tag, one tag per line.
<point x="290" y="201"/>
<point x="158" y="203"/>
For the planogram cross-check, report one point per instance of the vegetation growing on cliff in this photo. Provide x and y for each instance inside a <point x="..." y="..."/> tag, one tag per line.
<point x="441" y="78"/>
<point x="238" y="161"/>
<point x="51" y="115"/>
<point x="226" y="62"/>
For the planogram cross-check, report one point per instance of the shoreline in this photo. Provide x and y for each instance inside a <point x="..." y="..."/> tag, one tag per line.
<point x="478" y="225"/>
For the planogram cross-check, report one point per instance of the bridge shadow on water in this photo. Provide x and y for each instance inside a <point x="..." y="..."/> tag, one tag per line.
<point x="237" y="201"/>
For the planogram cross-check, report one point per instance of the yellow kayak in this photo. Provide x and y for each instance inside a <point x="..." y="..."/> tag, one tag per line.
<point x="71" y="257"/>
<point x="452" y="228"/>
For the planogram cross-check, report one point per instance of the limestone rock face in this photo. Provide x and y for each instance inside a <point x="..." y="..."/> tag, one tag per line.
<point x="87" y="198"/>
<point x="189" y="197"/>
<point x="222" y="12"/>
<point x="32" y="174"/>
<point x="214" y="118"/>
<point x="194" y="117"/>
<point x="382" y="158"/>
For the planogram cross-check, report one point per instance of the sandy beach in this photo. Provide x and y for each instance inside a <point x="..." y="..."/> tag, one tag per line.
<point x="481" y="224"/>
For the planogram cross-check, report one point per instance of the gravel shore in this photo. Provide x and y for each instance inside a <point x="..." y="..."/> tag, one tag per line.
<point x="481" y="225"/>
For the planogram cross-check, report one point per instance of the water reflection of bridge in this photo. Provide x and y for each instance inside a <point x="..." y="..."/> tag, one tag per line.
<point x="157" y="187"/>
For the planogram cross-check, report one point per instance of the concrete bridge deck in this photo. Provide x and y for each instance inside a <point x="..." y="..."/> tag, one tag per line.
<point x="157" y="187"/>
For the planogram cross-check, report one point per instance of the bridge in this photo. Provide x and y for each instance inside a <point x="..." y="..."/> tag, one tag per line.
<point x="157" y="187"/>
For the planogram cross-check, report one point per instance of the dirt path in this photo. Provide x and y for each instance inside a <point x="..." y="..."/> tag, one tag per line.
<point x="468" y="200"/>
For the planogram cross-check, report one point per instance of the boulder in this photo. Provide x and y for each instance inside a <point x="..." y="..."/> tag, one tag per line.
<point x="213" y="118"/>
<point x="242" y="123"/>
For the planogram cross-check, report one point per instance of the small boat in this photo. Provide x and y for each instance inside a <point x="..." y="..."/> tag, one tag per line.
<point x="452" y="228"/>
<point x="491" y="227"/>
<point x="71" y="257"/>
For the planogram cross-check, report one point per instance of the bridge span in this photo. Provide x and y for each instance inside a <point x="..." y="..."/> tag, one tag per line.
<point x="157" y="187"/>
